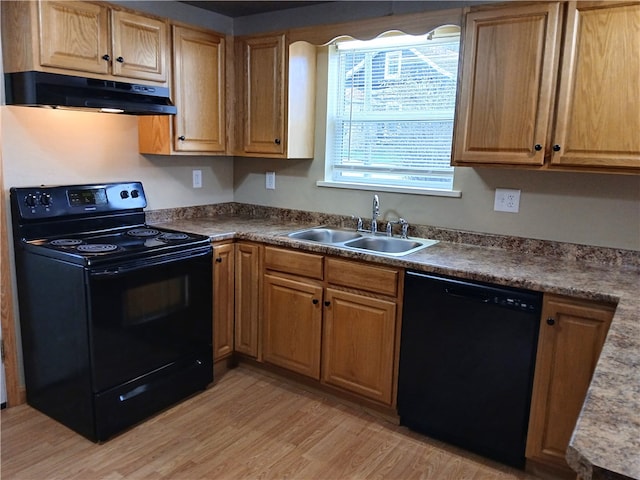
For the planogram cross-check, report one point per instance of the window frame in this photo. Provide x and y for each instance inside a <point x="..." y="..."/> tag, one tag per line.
<point x="331" y="102"/>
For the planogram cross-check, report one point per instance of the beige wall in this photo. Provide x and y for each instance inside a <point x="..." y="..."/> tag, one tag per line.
<point x="592" y="209"/>
<point x="64" y="147"/>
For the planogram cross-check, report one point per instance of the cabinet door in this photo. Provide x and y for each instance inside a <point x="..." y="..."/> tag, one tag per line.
<point x="198" y="91"/>
<point x="264" y="99"/>
<point x="74" y="36"/>
<point x="572" y="333"/>
<point x="598" y="123"/>
<point x="139" y="46"/>
<point x="507" y="84"/>
<point x="292" y="324"/>
<point x="223" y="300"/>
<point x="247" y="298"/>
<point x="359" y="344"/>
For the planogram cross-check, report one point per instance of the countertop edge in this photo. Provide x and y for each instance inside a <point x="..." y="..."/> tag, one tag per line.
<point x="585" y="454"/>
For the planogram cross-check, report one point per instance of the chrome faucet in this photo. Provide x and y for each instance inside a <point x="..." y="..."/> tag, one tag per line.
<point x="375" y="214"/>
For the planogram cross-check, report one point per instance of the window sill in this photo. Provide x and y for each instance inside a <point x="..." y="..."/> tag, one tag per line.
<point x="384" y="188"/>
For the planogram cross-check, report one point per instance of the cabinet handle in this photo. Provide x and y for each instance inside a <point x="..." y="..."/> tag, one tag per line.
<point x="550" y="321"/>
<point x="537" y="147"/>
<point x="277" y="141"/>
<point x="120" y="60"/>
<point x="556" y="148"/>
<point x="315" y="301"/>
<point x="327" y="303"/>
<point x="106" y="57"/>
<point x="182" y="138"/>
<point x="219" y="260"/>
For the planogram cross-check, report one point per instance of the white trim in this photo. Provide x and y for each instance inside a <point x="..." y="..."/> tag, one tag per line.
<point x="385" y="188"/>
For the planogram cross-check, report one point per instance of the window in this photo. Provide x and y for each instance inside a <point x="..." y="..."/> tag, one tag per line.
<point x="391" y="103"/>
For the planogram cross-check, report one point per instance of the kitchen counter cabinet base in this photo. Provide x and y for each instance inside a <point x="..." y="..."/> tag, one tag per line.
<point x="572" y="333"/>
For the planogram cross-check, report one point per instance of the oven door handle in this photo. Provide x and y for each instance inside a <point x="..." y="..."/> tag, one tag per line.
<point x="152" y="262"/>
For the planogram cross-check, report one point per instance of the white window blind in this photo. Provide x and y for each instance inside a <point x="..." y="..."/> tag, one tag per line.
<point x="391" y="108"/>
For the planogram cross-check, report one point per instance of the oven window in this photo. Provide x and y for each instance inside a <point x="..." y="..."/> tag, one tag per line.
<point x="155" y="300"/>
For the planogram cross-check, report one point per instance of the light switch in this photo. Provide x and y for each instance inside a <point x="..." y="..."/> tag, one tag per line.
<point x="270" y="182"/>
<point x="197" y="179"/>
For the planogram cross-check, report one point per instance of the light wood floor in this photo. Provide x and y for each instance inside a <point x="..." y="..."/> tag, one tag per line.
<point x="249" y="426"/>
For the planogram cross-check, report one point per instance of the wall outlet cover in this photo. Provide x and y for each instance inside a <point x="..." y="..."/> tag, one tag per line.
<point x="197" y="179"/>
<point x="507" y="200"/>
<point x="270" y="181"/>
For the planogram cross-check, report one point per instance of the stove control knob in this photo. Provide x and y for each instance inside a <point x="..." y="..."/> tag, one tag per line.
<point x="124" y="194"/>
<point x="45" y="199"/>
<point x="134" y="193"/>
<point x="30" y="200"/>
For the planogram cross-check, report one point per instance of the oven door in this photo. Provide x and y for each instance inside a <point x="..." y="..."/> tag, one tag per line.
<point x="147" y="314"/>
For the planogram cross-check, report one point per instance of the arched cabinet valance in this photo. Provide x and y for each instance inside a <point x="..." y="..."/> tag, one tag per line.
<point x="413" y="24"/>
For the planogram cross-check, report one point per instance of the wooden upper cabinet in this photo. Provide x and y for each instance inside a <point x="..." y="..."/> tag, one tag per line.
<point x="598" y="111"/>
<point x="139" y="46"/>
<point x="75" y="36"/>
<point x="84" y="38"/>
<point x="198" y="91"/>
<point x="508" y="75"/>
<point x="526" y="100"/>
<point x="264" y="98"/>
<point x="276" y="90"/>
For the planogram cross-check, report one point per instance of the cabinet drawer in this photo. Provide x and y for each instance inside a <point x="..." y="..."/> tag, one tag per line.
<point x="370" y="278"/>
<point x="297" y="263"/>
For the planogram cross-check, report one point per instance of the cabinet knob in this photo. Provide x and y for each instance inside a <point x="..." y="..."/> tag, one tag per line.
<point x="537" y="147"/>
<point x="120" y="60"/>
<point x="219" y="260"/>
<point x="327" y="303"/>
<point x="550" y="321"/>
<point x="106" y="57"/>
<point x="556" y="148"/>
<point x="277" y="141"/>
<point x="315" y="301"/>
<point x="182" y="138"/>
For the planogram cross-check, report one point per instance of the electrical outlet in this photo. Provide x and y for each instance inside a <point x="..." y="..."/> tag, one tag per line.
<point x="507" y="200"/>
<point x="197" y="178"/>
<point x="270" y="181"/>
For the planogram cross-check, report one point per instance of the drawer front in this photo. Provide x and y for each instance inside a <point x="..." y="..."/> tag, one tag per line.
<point x="296" y="263"/>
<point x="371" y="278"/>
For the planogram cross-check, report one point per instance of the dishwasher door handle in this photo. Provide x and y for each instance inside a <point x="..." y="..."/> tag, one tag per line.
<point x="472" y="295"/>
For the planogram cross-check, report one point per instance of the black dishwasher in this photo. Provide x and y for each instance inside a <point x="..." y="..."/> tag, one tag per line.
<point x="467" y="358"/>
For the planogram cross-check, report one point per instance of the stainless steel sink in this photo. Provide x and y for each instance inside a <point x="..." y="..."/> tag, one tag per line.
<point x="362" y="241"/>
<point x="325" y="235"/>
<point x="390" y="245"/>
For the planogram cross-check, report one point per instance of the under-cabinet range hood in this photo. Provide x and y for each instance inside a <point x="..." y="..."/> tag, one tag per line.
<point x="39" y="89"/>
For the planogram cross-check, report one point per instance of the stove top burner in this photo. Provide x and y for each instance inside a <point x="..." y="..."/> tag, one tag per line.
<point x="143" y="232"/>
<point x="65" y="242"/>
<point x="170" y="236"/>
<point x="97" y="248"/>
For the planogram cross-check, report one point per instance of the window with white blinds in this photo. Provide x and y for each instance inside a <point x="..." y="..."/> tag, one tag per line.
<point x="391" y="104"/>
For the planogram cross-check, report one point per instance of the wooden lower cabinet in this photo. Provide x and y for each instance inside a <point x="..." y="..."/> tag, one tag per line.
<point x="572" y="332"/>
<point x="223" y="300"/>
<point x="358" y="344"/>
<point x="333" y="320"/>
<point x="292" y="324"/>
<point x="247" y="297"/>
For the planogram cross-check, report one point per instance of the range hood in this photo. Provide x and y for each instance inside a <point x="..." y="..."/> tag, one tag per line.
<point x="39" y="89"/>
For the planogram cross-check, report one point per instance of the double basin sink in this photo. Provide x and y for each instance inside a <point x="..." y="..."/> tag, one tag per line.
<point x="365" y="242"/>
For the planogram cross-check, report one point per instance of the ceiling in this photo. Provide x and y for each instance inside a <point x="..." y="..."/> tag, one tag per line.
<point x="238" y="8"/>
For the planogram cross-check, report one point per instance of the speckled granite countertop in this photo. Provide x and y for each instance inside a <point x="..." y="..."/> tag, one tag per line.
<point x="606" y="441"/>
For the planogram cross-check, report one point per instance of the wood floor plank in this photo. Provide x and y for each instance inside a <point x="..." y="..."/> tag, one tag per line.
<point x="247" y="426"/>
